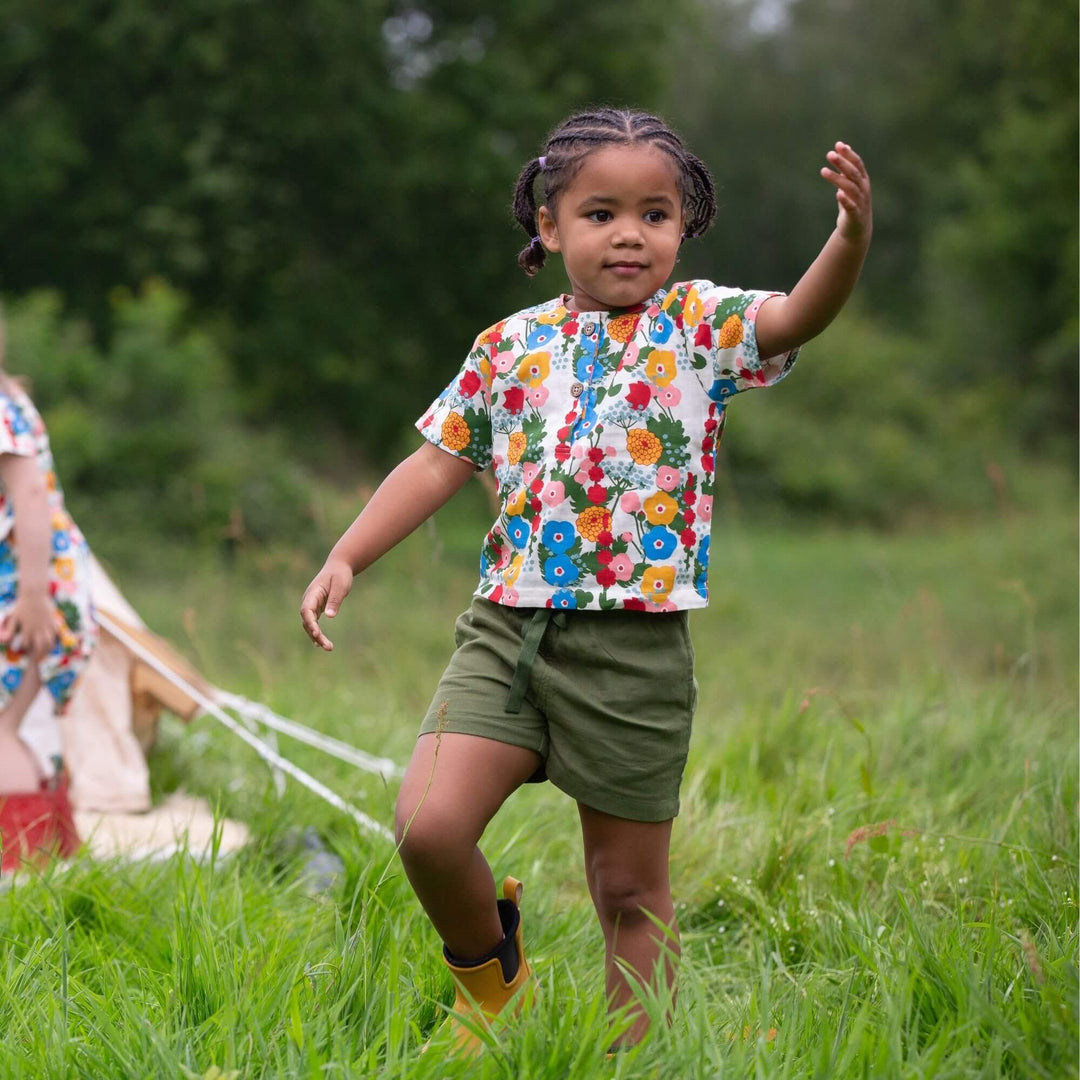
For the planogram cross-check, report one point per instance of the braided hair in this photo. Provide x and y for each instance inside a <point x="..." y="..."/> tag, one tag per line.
<point x="574" y="139"/>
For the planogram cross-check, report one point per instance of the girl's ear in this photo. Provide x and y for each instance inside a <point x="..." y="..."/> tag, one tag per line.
<point x="549" y="231"/>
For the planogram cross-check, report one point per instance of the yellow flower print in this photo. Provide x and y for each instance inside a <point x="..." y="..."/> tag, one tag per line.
<point x="516" y="505"/>
<point x="730" y="333"/>
<point x="549" y="318"/>
<point x="592" y="521"/>
<point x="510" y="574"/>
<point x="658" y="583"/>
<point x="485" y="370"/>
<point x="621" y="327"/>
<point x="517" y="443"/>
<point x="693" y="308"/>
<point x="669" y="299"/>
<point x="65" y="568"/>
<point x="660" y="367"/>
<point x="492" y="334"/>
<point x="534" y="368"/>
<point x="50" y="480"/>
<point x="660" y="508"/>
<point x="643" y="446"/>
<point x="455" y="432"/>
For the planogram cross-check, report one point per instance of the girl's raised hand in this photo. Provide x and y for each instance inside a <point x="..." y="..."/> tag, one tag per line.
<point x="852" y="182"/>
<point x="31" y="625"/>
<point x="328" y="588"/>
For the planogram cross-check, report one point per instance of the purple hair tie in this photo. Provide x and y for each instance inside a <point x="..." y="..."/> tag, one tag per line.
<point x="542" y="162"/>
<point x="535" y="241"/>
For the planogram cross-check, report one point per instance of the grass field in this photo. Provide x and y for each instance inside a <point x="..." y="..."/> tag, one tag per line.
<point x="923" y="683"/>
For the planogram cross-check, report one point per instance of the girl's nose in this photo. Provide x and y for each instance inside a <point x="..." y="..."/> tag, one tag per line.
<point x="628" y="234"/>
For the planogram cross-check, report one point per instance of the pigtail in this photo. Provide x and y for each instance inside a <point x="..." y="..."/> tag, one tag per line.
<point x="531" y="257"/>
<point x="700" y="198"/>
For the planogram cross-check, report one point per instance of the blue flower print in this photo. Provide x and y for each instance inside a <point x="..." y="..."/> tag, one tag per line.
<point x="703" y="551"/>
<point x="722" y="389"/>
<point x="484" y="564"/>
<point x="12" y="678"/>
<point x="7" y="592"/>
<point x="585" y="425"/>
<point x="661" y="330"/>
<point x="540" y="336"/>
<point x="563" y="599"/>
<point x="517" y="528"/>
<point x="19" y="426"/>
<point x="59" y="686"/>
<point x="587" y="368"/>
<point x="60" y="541"/>
<point x="659" y="542"/>
<point x="7" y="566"/>
<point x="560" y="570"/>
<point x="701" y="583"/>
<point x="558" y="536"/>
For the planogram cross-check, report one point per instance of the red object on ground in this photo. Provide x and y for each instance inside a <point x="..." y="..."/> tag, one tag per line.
<point x="37" y="825"/>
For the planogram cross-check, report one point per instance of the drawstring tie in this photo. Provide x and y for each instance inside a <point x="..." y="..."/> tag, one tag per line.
<point x="530" y="646"/>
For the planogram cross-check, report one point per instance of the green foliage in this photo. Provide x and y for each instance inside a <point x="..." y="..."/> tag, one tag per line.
<point x="147" y="433"/>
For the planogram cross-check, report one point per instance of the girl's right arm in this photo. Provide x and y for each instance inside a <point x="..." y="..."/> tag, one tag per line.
<point x="405" y="499"/>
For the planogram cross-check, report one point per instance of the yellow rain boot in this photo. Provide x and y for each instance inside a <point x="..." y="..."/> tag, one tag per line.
<point x="486" y="986"/>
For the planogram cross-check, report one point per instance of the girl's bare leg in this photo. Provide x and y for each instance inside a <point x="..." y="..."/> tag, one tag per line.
<point x="626" y="865"/>
<point x="18" y="766"/>
<point x="471" y="778"/>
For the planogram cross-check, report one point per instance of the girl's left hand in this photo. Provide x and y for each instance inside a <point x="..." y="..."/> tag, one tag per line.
<point x="852" y="183"/>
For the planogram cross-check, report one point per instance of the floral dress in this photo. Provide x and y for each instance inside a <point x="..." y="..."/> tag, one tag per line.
<point x="602" y="428"/>
<point x="22" y="432"/>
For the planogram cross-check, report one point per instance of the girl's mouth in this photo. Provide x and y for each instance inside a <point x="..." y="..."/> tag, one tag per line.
<point x="626" y="269"/>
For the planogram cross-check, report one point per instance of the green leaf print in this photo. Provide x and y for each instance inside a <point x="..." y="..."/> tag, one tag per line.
<point x="71" y="615"/>
<point x="672" y="440"/>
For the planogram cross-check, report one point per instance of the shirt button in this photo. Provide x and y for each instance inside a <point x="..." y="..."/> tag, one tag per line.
<point x="575" y="389"/>
<point x="589" y="329"/>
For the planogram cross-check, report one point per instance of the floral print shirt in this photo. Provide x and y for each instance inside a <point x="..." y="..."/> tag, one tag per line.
<point x="602" y="428"/>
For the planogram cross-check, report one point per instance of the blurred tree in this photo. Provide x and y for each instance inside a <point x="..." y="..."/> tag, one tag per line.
<point x="331" y="176"/>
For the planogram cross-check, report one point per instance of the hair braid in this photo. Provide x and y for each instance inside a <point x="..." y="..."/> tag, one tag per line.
<point x="579" y="135"/>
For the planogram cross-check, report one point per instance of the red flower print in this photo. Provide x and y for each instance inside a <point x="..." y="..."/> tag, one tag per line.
<point x="562" y="451"/>
<point x="707" y="462"/>
<point x="707" y="444"/>
<point x="596" y="473"/>
<point x="514" y="400"/>
<point x="704" y="335"/>
<point x="571" y="328"/>
<point x="563" y="434"/>
<point x="597" y="494"/>
<point x="605" y="539"/>
<point x="535" y="523"/>
<point x="633" y="604"/>
<point x="596" y="455"/>
<point x="470" y="383"/>
<point x="605" y="578"/>
<point x="639" y="395"/>
<point x="537" y="486"/>
<point x="689" y="498"/>
<point x="689" y="516"/>
<point x="535" y="504"/>
<point x="496" y="594"/>
<point x="710" y="426"/>
<point x="604" y="557"/>
<point x="688" y="537"/>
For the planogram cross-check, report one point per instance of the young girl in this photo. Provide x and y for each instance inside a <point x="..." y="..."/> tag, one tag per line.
<point x="600" y="411"/>
<point x="47" y="628"/>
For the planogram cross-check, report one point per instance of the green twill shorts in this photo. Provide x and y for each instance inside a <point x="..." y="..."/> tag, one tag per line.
<point x="606" y="698"/>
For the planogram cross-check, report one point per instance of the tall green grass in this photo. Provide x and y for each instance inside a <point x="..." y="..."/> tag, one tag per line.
<point x="875" y="866"/>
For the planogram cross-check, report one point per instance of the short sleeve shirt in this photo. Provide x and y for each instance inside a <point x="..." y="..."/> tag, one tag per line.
<point x="602" y="428"/>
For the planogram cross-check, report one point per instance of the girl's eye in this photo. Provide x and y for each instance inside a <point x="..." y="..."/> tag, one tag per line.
<point x="655" y="217"/>
<point x="599" y="216"/>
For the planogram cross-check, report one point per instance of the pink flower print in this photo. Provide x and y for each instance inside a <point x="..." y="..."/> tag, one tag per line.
<point x="510" y="597"/>
<point x="537" y="396"/>
<point x="667" y="605"/>
<point x="582" y="476"/>
<point x="553" y="493"/>
<point x="704" y="507"/>
<point x="503" y="361"/>
<point x="529" y="472"/>
<point x="627" y="537"/>
<point x="610" y="451"/>
<point x="630" y="503"/>
<point x="667" y="478"/>
<point x="669" y="396"/>
<point x="622" y="566"/>
<point x="652" y="310"/>
<point x="503" y="559"/>
<point x="577" y="450"/>
<point x="630" y="355"/>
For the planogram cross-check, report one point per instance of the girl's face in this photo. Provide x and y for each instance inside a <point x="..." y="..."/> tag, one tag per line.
<point x="618" y="226"/>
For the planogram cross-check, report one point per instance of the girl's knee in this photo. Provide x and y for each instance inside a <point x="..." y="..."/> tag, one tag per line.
<point x="429" y="837"/>
<point x="621" y="898"/>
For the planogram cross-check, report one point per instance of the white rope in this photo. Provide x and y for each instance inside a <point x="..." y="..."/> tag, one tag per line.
<point x="253" y="710"/>
<point x="260" y="748"/>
